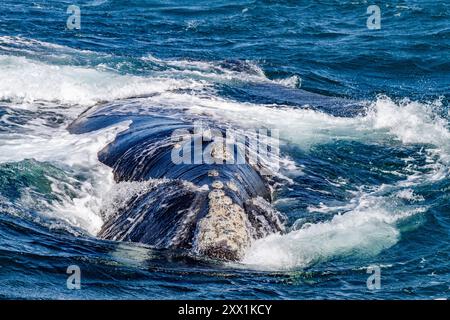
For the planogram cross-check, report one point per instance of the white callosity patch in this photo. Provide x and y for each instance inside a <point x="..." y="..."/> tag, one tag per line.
<point x="223" y="233"/>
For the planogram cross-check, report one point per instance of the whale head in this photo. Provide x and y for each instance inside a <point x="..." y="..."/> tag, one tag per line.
<point x="215" y="208"/>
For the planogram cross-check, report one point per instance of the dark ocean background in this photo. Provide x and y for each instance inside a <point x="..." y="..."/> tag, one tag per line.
<point x="363" y="186"/>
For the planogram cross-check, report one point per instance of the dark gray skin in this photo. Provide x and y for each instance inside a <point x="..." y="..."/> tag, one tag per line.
<point x="215" y="210"/>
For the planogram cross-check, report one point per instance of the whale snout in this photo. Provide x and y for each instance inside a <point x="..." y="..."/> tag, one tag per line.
<point x="224" y="233"/>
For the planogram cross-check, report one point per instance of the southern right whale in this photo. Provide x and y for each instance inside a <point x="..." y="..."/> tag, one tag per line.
<point x="215" y="210"/>
<point x="212" y="209"/>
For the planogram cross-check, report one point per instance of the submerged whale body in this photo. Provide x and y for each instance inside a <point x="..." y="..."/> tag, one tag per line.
<point x="215" y="210"/>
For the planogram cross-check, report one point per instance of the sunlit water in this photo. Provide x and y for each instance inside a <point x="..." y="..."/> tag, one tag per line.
<point x="362" y="187"/>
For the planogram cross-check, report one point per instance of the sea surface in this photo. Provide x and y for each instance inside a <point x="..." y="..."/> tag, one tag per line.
<point x="363" y="187"/>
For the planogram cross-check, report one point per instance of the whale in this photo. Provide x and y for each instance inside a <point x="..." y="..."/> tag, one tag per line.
<point x="215" y="208"/>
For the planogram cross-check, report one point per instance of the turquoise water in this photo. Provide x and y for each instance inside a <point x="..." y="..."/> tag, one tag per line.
<point x="362" y="185"/>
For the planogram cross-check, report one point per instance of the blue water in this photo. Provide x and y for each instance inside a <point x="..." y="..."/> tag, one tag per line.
<point x="363" y="186"/>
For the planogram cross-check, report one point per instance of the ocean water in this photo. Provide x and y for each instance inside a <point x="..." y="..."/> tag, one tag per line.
<point x="363" y="186"/>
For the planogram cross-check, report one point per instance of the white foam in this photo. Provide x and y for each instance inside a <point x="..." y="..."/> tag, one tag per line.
<point x="290" y="82"/>
<point x="118" y="196"/>
<point x="23" y="80"/>
<point x="75" y="152"/>
<point x="366" y="230"/>
<point x="408" y="194"/>
<point x="410" y="121"/>
<point x="372" y="225"/>
<point x="406" y="121"/>
<point x="214" y="71"/>
<point x="96" y="3"/>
